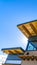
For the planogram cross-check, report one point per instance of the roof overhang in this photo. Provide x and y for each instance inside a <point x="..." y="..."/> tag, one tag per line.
<point x="29" y="29"/>
<point x="14" y="51"/>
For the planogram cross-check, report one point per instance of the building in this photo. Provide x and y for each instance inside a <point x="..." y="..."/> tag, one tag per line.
<point x="28" y="56"/>
<point x="13" y="56"/>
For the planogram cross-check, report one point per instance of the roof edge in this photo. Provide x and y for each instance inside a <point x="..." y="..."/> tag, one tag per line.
<point x="27" y="22"/>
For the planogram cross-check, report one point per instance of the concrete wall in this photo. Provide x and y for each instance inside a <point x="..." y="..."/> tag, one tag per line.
<point x="29" y="62"/>
<point x="31" y="53"/>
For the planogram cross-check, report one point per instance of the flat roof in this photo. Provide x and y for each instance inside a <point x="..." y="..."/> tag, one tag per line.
<point x="29" y="29"/>
<point x="14" y="51"/>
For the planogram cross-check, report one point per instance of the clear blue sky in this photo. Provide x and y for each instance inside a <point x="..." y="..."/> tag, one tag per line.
<point x="12" y="13"/>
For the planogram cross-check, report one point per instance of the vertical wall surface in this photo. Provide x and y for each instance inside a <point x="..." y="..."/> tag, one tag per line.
<point x="29" y="62"/>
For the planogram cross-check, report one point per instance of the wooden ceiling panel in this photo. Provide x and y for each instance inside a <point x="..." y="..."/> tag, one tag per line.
<point x="35" y="24"/>
<point x="23" y="30"/>
<point x="29" y="29"/>
<point x="13" y="51"/>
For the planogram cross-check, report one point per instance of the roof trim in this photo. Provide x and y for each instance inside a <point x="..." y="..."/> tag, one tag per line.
<point x="26" y="22"/>
<point x="13" y="48"/>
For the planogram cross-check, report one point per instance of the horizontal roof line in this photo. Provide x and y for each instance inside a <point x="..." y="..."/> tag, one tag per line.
<point x="26" y="22"/>
<point x="12" y="48"/>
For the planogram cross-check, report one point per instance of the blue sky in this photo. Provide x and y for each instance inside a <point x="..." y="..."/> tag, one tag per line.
<point x="12" y="13"/>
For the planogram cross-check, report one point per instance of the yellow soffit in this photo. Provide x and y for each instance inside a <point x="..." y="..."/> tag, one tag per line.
<point x="13" y="51"/>
<point x="29" y="29"/>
